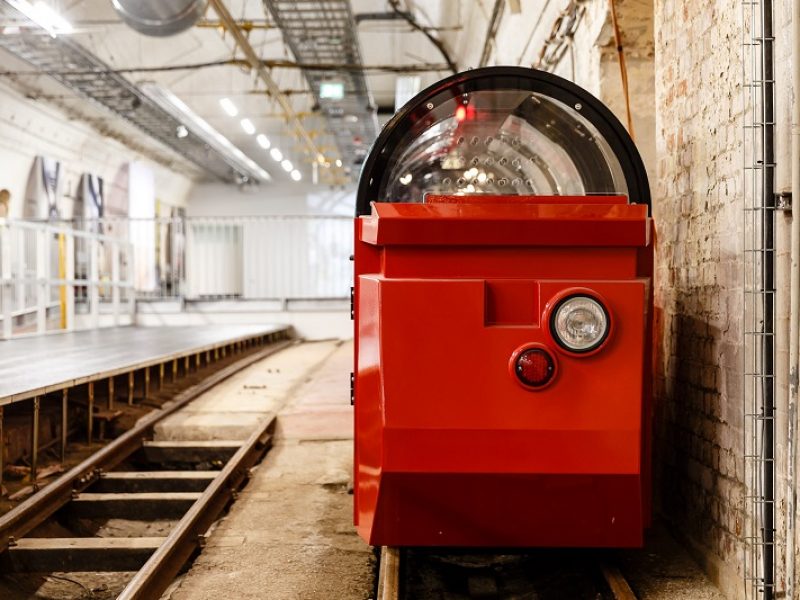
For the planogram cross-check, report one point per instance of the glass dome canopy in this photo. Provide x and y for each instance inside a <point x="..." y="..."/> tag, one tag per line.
<point x="502" y="130"/>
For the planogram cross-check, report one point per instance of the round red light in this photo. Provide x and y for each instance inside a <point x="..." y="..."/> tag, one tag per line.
<point x="535" y="367"/>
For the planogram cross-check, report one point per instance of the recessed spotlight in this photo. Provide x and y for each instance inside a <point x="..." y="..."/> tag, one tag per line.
<point x="287" y="165"/>
<point x="229" y="107"/>
<point x="338" y="162"/>
<point x="243" y="164"/>
<point x="276" y="154"/>
<point x="263" y="141"/>
<point x="248" y="126"/>
<point x="181" y="131"/>
<point x="296" y="175"/>
<point x="331" y="90"/>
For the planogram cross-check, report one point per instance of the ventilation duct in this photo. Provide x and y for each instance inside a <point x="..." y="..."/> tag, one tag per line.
<point x="159" y="18"/>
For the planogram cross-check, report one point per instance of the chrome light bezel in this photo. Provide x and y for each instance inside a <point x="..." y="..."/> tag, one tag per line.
<point x="557" y="336"/>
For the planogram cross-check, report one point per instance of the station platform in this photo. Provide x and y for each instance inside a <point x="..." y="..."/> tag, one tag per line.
<point x="39" y="365"/>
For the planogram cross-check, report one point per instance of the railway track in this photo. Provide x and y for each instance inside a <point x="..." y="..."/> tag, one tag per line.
<point x="187" y="482"/>
<point x="541" y="575"/>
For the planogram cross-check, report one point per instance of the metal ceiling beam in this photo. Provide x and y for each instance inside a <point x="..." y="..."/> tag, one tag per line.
<point x="257" y="65"/>
<point x="80" y="70"/>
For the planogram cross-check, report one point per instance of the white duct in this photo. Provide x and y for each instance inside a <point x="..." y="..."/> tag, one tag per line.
<point x="159" y="18"/>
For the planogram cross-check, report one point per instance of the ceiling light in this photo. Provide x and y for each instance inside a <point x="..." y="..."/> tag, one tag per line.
<point x="287" y="165"/>
<point x="331" y="90"/>
<point x="338" y="162"/>
<point x="296" y="175"/>
<point x="229" y="107"/>
<point x="181" y="131"/>
<point x="321" y="158"/>
<point x="186" y="117"/>
<point x="248" y="126"/>
<point x="276" y="154"/>
<point x="263" y="141"/>
<point x="44" y="16"/>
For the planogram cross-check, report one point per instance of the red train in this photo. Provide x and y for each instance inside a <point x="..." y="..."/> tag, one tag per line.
<point x="503" y="309"/>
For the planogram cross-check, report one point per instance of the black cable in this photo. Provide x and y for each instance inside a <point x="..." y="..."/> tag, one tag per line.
<point x="271" y="64"/>
<point x="409" y="18"/>
<point x="768" y="287"/>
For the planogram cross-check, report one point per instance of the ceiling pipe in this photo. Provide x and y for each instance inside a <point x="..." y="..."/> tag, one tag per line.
<point x="230" y="25"/>
<point x="397" y="16"/>
<point x="246" y="24"/>
<point x="382" y="16"/>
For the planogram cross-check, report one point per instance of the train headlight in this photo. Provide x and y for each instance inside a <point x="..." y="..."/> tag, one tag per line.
<point x="580" y="324"/>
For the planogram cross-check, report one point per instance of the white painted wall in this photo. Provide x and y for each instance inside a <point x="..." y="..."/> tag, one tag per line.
<point x="29" y="128"/>
<point x="258" y="257"/>
<point x="221" y="200"/>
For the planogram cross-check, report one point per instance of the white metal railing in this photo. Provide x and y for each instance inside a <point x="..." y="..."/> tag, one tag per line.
<point x="54" y="278"/>
<point x="248" y="258"/>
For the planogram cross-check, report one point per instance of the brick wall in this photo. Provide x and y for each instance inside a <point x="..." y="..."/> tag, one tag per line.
<point x="698" y="210"/>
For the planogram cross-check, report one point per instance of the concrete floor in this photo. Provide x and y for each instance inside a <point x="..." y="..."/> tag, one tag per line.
<point x="663" y="570"/>
<point x="235" y="407"/>
<point x="290" y="534"/>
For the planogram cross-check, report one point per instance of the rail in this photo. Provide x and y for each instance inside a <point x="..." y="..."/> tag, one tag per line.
<point x="57" y="278"/>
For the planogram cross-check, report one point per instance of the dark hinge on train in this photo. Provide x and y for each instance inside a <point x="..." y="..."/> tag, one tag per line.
<point x="352" y="388"/>
<point x="352" y="303"/>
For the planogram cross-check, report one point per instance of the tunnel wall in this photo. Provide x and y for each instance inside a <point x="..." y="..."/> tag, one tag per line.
<point x="698" y="210"/>
<point x="29" y="128"/>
